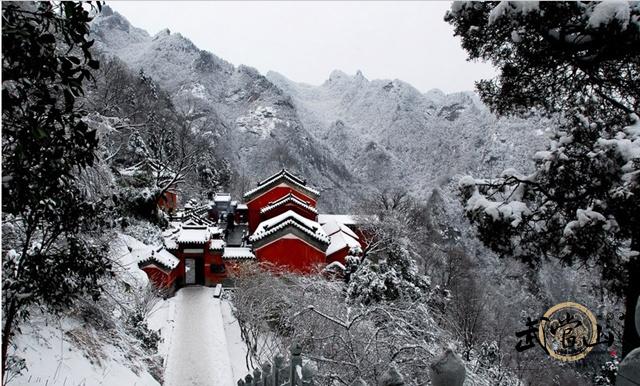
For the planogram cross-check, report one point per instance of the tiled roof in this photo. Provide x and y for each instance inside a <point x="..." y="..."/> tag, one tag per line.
<point x="194" y="219"/>
<point x="283" y="174"/>
<point x="231" y="253"/>
<point x="285" y="199"/>
<point x="217" y="245"/>
<point x="332" y="227"/>
<point x="193" y="235"/>
<point x="214" y="230"/>
<point x="346" y="219"/>
<point x="170" y="243"/>
<point x="295" y="177"/>
<point x="340" y="240"/>
<point x="289" y="218"/>
<point x="223" y="197"/>
<point x="158" y="255"/>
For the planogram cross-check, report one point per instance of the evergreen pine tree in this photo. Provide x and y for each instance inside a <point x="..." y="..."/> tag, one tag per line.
<point x="48" y="257"/>
<point x="578" y="62"/>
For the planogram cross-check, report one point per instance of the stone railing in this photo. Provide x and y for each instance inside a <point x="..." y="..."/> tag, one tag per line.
<point x="281" y="374"/>
<point x="447" y="370"/>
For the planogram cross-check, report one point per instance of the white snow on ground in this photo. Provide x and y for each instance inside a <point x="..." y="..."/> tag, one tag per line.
<point x="161" y="318"/>
<point x="126" y="262"/>
<point x="201" y="341"/>
<point x="236" y="346"/>
<point x="66" y="351"/>
<point x="53" y="359"/>
<point x="198" y="350"/>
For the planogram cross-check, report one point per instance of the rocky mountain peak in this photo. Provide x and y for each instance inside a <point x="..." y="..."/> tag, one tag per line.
<point x="436" y="95"/>
<point x="337" y="75"/>
<point x="114" y="31"/>
<point x="340" y="78"/>
<point x="164" y="32"/>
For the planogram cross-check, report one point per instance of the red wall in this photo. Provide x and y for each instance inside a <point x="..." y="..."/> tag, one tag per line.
<point x="209" y="257"/>
<point x="168" y="201"/>
<point x="292" y="253"/>
<point x="161" y="279"/>
<point x="158" y="277"/>
<point x="212" y="257"/>
<point x="269" y="196"/>
<point x="339" y="256"/>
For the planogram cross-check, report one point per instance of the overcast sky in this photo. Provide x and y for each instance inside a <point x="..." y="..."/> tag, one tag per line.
<point x="305" y="41"/>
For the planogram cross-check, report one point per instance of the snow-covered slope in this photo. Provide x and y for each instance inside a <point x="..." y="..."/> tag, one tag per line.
<point x="68" y="352"/>
<point x="91" y="342"/>
<point x="92" y="345"/>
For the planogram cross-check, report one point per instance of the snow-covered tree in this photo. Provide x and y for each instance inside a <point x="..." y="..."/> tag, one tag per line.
<point x="154" y="145"/>
<point x="578" y="62"/>
<point x="388" y="275"/>
<point x="49" y="257"/>
<point x="387" y="268"/>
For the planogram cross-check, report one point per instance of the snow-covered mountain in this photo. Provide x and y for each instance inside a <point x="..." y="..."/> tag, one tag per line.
<point x="346" y="136"/>
<point x="390" y="133"/>
<point x="253" y="122"/>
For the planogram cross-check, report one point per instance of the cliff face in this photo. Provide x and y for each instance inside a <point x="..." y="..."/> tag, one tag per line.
<point x="392" y="134"/>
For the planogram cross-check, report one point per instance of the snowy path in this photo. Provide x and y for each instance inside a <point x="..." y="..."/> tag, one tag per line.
<point x="198" y="353"/>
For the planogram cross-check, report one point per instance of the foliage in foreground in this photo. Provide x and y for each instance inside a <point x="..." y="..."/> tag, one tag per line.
<point x="579" y="63"/>
<point x="50" y="250"/>
<point x="345" y="340"/>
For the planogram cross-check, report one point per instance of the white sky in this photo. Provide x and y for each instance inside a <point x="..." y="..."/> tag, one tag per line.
<point x="305" y="41"/>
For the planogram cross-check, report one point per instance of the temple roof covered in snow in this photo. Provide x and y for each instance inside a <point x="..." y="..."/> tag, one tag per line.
<point x="289" y="198"/>
<point x="217" y="245"/>
<point x="283" y="176"/>
<point x="345" y="219"/>
<point x="157" y="255"/>
<point x="170" y="243"/>
<point x="222" y="197"/>
<point x="194" y="235"/>
<point x="332" y="227"/>
<point x="290" y="219"/>
<point x="231" y="253"/>
<point x="340" y="234"/>
<point x="340" y="240"/>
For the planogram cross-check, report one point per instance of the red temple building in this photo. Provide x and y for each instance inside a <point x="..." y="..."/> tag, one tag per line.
<point x="273" y="189"/>
<point x="285" y="228"/>
<point x="159" y="265"/>
<point x="168" y="201"/>
<point x="279" y="220"/>
<point x="343" y="240"/>
<point x="292" y="241"/>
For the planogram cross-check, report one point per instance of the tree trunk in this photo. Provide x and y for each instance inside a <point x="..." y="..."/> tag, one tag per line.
<point x="7" y="332"/>
<point x="630" y="338"/>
